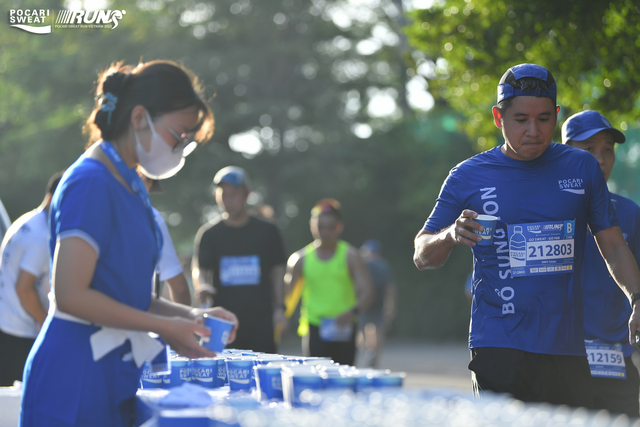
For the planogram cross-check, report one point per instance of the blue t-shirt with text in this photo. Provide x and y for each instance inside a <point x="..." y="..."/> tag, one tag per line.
<point x="538" y="314"/>
<point x="606" y="307"/>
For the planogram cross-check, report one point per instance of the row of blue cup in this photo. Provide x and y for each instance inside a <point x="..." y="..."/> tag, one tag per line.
<point x="275" y="377"/>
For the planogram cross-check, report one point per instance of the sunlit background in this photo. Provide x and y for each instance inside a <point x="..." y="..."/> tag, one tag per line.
<point x="367" y="101"/>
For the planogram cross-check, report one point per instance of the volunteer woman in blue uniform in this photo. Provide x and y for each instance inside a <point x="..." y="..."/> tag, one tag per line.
<point x="85" y="365"/>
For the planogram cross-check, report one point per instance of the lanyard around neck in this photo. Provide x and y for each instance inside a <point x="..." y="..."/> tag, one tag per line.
<point x="131" y="177"/>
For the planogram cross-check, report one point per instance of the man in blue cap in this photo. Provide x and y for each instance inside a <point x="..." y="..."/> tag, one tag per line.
<point x="526" y="335"/>
<point x="240" y="259"/>
<point x="616" y="383"/>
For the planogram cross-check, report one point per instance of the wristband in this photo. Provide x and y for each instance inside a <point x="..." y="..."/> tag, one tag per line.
<point x="634" y="297"/>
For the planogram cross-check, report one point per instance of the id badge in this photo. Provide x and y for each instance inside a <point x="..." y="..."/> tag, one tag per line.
<point x="605" y="360"/>
<point x="330" y="331"/>
<point x="240" y="270"/>
<point x="541" y="248"/>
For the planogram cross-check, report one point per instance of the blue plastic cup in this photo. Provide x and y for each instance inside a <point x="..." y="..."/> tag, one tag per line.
<point x="390" y="380"/>
<point x="489" y="224"/>
<point x="339" y="382"/>
<point x="268" y="382"/>
<point x="220" y="330"/>
<point x="180" y="372"/>
<point x="221" y="377"/>
<point x="365" y="377"/>
<point x="239" y="371"/>
<point x="295" y="380"/>
<point x="148" y="379"/>
<point x="161" y="364"/>
<point x="205" y="372"/>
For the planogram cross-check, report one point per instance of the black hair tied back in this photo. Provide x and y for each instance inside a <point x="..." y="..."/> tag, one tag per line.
<point x="108" y="98"/>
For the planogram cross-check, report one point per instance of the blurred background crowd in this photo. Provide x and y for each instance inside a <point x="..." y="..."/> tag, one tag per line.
<point x="370" y="102"/>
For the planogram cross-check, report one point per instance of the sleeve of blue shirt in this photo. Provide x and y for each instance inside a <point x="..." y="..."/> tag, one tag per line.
<point x="448" y="208"/>
<point x="82" y="209"/>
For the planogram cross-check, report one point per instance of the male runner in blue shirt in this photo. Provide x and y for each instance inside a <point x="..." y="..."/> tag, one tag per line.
<point x="616" y="384"/>
<point x="526" y="335"/>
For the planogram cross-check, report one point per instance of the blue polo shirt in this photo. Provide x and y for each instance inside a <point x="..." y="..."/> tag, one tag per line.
<point x="606" y="307"/>
<point x="91" y="204"/>
<point x="534" y="313"/>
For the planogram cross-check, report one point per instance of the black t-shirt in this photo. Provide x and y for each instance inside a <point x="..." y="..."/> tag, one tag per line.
<point x="242" y="259"/>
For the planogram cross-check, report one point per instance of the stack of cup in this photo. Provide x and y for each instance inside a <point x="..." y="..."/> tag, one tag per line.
<point x="181" y="372"/>
<point x="391" y="380"/>
<point x="239" y="372"/>
<point x="205" y="372"/>
<point x="295" y="380"/>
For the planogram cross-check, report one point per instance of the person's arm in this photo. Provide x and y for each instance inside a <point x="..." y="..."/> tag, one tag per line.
<point x="623" y="268"/>
<point x="28" y="296"/>
<point x="277" y="282"/>
<point x="432" y="250"/>
<point x="179" y="289"/>
<point x="203" y="286"/>
<point x="168" y="308"/>
<point x="293" y="271"/>
<point x="74" y="264"/>
<point x="362" y="285"/>
<point x="293" y="282"/>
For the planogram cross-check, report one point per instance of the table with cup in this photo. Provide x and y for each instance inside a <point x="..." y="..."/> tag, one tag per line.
<point x="171" y="385"/>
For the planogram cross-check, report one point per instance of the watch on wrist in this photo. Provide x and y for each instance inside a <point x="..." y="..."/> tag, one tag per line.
<point x="635" y="297"/>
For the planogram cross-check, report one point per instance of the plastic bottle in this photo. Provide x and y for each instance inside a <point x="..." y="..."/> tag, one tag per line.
<point x="518" y="247"/>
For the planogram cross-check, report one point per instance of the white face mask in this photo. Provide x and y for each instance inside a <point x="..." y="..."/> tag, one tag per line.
<point x="160" y="161"/>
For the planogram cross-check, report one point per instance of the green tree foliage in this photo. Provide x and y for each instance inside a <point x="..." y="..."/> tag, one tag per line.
<point x="589" y="46"/>
<point x="317" y="92"/>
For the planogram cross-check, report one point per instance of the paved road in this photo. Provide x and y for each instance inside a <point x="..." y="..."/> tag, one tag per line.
<point x="428" y="365"/>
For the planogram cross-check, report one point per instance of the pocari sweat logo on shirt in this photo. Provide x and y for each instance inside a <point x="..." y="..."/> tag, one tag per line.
<point x="572" y="185"/>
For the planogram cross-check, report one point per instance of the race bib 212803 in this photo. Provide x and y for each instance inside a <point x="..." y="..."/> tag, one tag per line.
<point x="541" y="248"/>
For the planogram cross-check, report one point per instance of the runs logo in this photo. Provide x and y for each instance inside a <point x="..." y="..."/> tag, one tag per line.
<point x="33" y="20"/>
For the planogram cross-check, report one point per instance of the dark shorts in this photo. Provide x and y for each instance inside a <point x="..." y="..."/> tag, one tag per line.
<point x="532" y="377"/>
<point x="340" y="352"/>
<point x="13" y="355"/>
<point x="618" y="395"/>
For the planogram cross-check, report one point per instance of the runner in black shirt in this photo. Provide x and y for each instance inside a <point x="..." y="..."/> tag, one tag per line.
<point x="240" y="260"/>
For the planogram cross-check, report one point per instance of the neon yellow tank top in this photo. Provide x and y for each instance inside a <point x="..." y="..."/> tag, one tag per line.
<point x="328" y="288"/>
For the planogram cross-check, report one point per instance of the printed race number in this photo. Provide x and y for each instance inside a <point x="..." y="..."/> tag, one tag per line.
<point x="550" y="250"/>
<point x="606" y="357"/>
